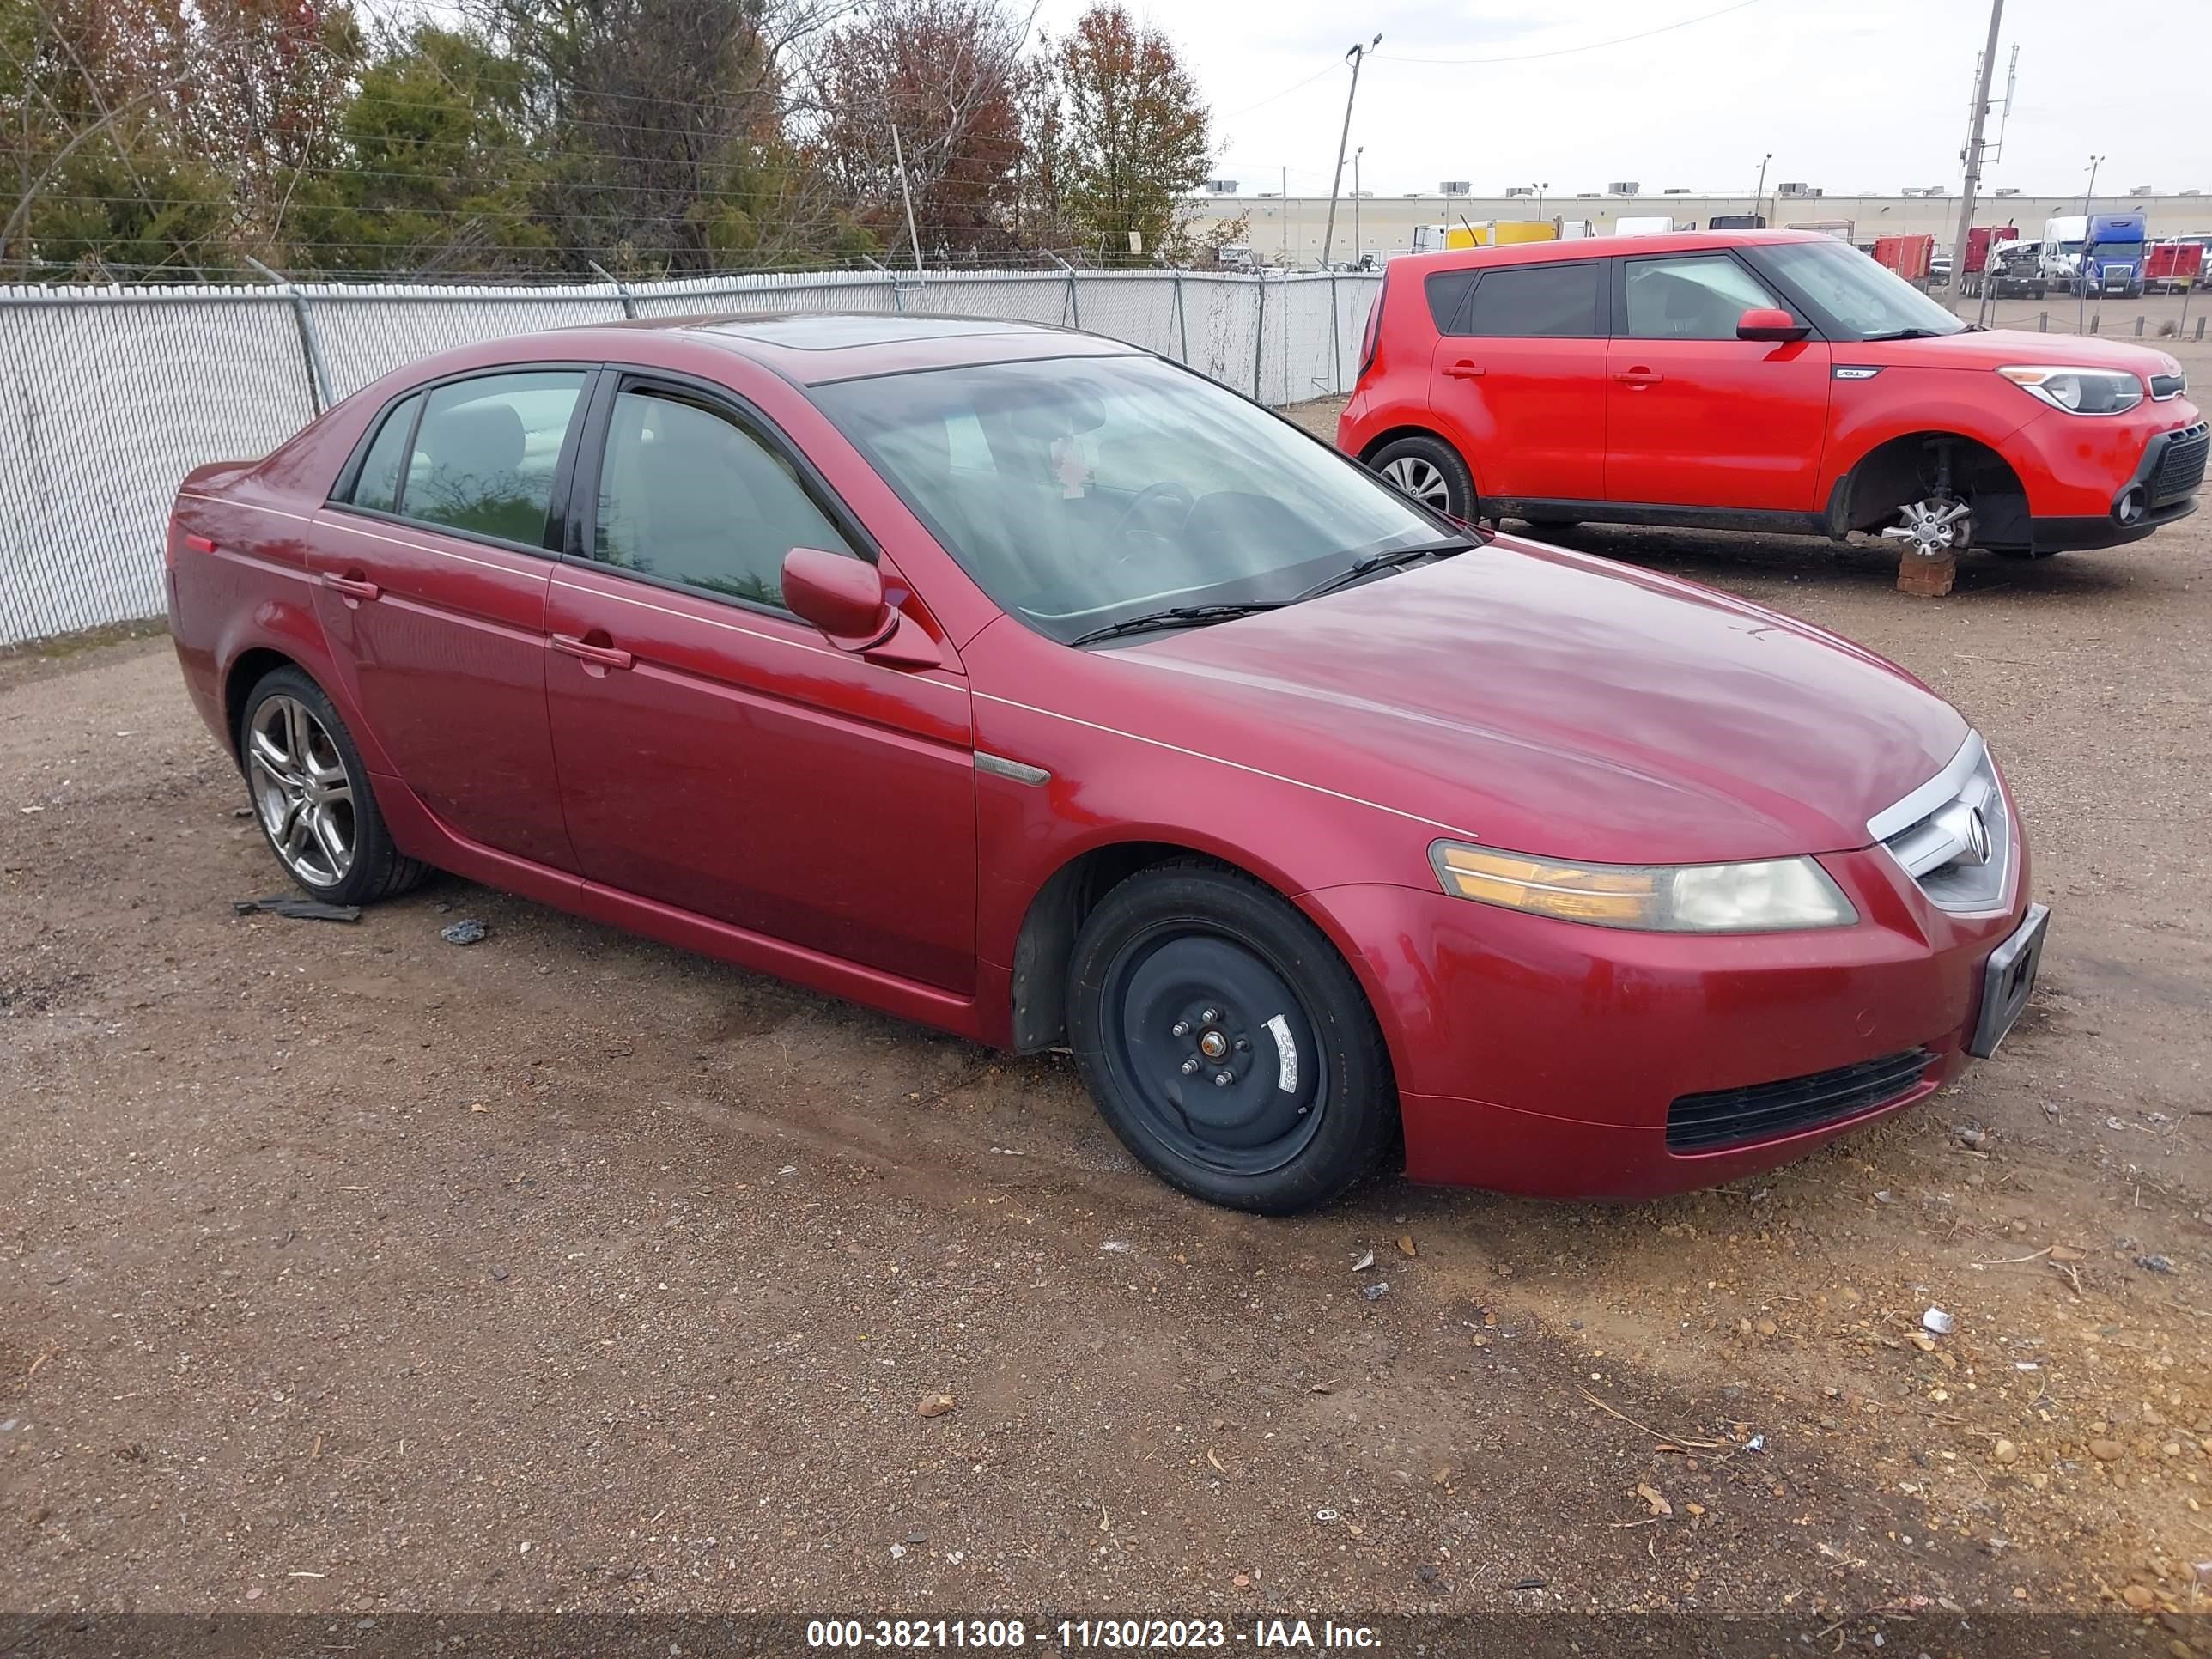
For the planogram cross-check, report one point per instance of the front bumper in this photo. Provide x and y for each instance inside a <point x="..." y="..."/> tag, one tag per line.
<point x="2079" y="471"/>
<point x="1542" y="1057"/>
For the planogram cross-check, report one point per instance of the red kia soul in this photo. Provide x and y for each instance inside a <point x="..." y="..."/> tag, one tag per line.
<point x="1771" y="380"/>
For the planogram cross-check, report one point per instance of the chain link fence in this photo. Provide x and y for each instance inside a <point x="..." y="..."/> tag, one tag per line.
<point x="111" y="395"/>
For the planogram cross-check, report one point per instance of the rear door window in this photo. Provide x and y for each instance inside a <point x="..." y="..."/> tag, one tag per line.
<point x="486" y="451"/>
<point x="1562" y="299"/>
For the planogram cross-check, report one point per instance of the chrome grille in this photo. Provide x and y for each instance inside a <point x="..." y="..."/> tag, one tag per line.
<point x="1955" y="835"/>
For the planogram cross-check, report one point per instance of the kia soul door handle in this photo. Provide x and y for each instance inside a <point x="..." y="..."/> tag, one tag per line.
<point x="1464" y="370"/>
<point x="1638" y="377"/>
<point x="598" y="656"/>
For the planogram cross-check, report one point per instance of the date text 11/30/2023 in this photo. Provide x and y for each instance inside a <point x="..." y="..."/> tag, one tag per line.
<point x="1089" y="1635"/>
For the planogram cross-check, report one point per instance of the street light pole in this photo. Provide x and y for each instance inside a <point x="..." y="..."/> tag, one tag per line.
<point x="1540" y="189"/>
<point x="1759" y="206"/>
<point x="2091" y="191"/>
<point x="1354" y="58"/>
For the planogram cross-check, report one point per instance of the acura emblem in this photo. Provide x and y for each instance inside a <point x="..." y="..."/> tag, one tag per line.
<point x="1976" y="836"/>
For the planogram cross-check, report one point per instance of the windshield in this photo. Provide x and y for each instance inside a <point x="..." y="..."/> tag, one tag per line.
<point x="1858" y="297"/>
<point x="1082" y="491"/>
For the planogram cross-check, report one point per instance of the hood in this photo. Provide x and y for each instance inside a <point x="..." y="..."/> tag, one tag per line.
<point x="1551" y="702"/>
<point x="1994" y="348"/>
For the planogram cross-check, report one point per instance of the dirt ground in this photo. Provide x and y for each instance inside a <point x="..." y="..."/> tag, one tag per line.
<point x="345" y="1269"/>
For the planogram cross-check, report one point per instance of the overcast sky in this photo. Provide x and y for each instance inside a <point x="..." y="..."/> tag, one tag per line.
<point x="1850" y="95"/>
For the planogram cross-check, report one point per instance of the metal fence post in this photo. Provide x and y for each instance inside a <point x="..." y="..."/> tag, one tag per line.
<point x="1335" y="345"/>
<point x="1182" y="318"/>
<point x="1258" y="335"/>
<point x="311" y="344"/>
<point x="621" y="287"/>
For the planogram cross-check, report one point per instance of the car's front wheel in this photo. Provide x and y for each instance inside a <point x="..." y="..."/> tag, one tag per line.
<point x="1430" y="471"/>
<point x="312" y="796"/>
<point x="1226" y="1041"/>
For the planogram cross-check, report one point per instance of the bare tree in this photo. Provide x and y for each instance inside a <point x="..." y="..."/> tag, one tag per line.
<point x="947" y="74"/>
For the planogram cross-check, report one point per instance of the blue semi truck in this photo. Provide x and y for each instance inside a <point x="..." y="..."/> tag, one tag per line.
<point x="2095" y="253"/>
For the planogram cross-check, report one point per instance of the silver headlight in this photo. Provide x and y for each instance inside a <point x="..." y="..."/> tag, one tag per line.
<point x="1768" y="896"/>
<point x="2077" y="391"/>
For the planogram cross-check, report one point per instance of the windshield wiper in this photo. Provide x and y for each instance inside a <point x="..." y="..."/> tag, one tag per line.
<point x="1909" y="334"/>
<point x="1388" y="559"/>
<point x="1178" y="615"/>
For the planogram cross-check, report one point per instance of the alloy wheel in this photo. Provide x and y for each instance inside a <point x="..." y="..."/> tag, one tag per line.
<point x="302" y="791"/>
<point x="1940" y="523"/>
<point x="1422" y="480"/>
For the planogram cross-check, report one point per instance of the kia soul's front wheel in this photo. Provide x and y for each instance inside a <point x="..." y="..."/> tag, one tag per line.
<point x="1226" y="1042"/>
<point x="312" y="796"/>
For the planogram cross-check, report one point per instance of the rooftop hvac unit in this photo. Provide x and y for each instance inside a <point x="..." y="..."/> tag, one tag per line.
<point x="1678" y="190"/>
<point x="1512" y="191"/>
<point x="1221" y="188"/>
<point x="1457" y="187"/>
<point x="1796" y="189"/>
<point x="1625" y="187"/>
<point x="2007" y="191"/>
<point x="2141" y="190"/>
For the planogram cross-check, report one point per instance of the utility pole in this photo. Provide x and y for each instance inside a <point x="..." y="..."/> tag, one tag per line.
<point x="898" y="153"/>
<point x="1356" y="154"/>
<point x="1355" y="57"/>
<point x="1759" y="202"/>
<point x="2090" y="191"/>
<point x="1973" y="154"/>
<point x="1286" y="199"/>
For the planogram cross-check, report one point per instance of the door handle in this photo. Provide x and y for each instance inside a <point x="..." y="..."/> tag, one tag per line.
<point x="599" y="656"/>
<point x="1464" y="370"/>
<point x="1638" y="377"/>
<point x="352" y="587"/>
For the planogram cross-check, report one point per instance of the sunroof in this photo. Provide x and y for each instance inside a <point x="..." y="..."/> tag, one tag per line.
<point x="836" y="331"/>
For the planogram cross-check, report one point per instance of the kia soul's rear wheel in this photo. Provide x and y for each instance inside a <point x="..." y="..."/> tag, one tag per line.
<point x="1430" y="471"/>
<point x="1226" y="1042"/>
<point x="311" y="794"/>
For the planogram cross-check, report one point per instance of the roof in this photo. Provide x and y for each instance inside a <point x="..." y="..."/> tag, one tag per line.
<point x="1599" y="247"/>
<point x="813" y="347"/>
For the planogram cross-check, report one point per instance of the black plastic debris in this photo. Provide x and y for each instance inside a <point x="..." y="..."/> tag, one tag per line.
<point x="296" y="908"/>
<point x="467" y="931"/>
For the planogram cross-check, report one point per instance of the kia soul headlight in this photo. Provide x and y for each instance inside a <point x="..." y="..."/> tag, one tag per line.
<point x="1761" y="896"/>
<point x="2077" y="391"/>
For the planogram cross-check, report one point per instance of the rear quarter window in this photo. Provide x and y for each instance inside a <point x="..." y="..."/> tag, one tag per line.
<point x="1447" y="292"/>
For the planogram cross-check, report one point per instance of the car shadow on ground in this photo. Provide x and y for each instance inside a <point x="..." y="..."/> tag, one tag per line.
<point x="1722" y="557"/>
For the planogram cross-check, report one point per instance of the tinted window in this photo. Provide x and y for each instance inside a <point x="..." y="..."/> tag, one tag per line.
<point x="377" y="486"/>
<point x="1701" y="298"/>
<point x="484" y="455"/>
<point x="1532" y="301"/>
<point x="1446" y="289"/>
<point x="687" y="494"/>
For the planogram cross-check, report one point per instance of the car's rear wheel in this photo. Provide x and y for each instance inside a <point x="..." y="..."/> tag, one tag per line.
<point x="312" y="796"/>
<point x="1430" y="471"/>
<point x="1226" y="1042"/>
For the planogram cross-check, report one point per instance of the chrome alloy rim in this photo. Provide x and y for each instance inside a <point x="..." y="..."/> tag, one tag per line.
<point x="300" y="791"/>
<point x="1422" y="480"/>
<point x="1938" y="525"/>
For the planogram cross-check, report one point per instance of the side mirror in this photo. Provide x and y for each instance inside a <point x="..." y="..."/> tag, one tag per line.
<point x="841" y="595"/>
<point x="1769" y="323"/>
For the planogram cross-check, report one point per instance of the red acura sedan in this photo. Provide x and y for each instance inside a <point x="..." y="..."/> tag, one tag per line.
<point x="1021" y="683"/>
